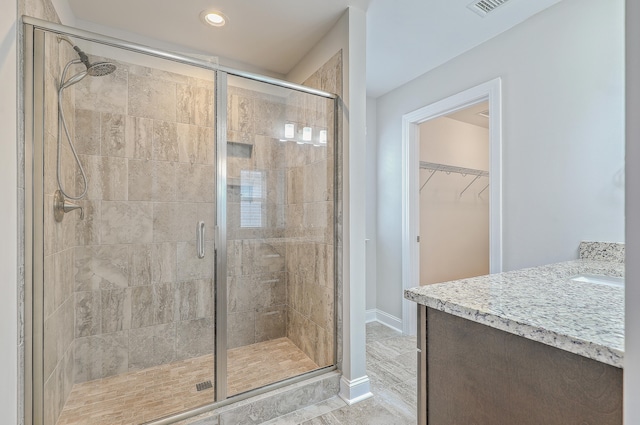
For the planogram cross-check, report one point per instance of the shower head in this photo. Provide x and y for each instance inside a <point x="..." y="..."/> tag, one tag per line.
<point x="97" y="69"/>
<point x="73" y="79"/>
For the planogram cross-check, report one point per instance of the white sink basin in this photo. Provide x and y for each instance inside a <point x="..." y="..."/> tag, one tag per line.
<point x="599" y="280"/>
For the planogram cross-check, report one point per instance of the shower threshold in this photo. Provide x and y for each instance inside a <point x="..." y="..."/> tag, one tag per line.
<point x="140" y="396"/>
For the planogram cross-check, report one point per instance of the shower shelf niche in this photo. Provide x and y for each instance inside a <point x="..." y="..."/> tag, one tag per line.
<point x="239" y="150"/>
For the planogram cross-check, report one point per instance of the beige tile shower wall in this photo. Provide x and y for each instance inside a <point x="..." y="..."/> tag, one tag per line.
<point x="142" y="297"/>
<point x="256" y="268"/>
<point x="311" y="287"/>
<point x="309" y="255"/>
<point x="281" y="272"/>
<point x="59" y="242"/>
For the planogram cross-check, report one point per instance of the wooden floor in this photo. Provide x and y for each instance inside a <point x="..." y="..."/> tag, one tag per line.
<point x="137" y="397"/>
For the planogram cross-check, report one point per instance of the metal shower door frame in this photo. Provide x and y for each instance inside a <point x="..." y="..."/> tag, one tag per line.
<point x="220" y="284"/>
<point x="34" y="72"/>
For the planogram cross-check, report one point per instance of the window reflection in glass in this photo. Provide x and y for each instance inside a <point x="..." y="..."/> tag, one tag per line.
<point x="252" y="197"/>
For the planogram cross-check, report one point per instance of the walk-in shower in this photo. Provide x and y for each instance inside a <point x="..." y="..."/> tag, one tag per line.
<point x="202" y="270"/>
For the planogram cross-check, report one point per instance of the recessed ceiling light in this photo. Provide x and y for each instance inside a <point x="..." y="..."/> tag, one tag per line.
<point x="213" y="18"/>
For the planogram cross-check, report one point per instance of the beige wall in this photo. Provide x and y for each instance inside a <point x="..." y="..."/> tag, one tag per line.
<point x="256" y="269"/>
<point x="454" y="229"/>
<point x="281" y="280"/>
<point x="310" y="259"/>
<point x="142" y="297"/>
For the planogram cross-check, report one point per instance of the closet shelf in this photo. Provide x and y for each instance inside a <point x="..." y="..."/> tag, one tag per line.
<point x="452" y="169"/>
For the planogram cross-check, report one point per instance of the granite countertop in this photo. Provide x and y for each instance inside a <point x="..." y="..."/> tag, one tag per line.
<point x="542" y="304"/>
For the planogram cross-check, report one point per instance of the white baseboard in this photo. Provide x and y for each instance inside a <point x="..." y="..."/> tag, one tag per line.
<point x="375" y="315"/>
<point x="371" y="315"/>
<point x="355" y="391"/>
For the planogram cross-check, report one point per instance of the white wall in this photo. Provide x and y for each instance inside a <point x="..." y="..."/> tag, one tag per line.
<point x="8" y="214"/>
<point x="454" y="229"/>
<point x="563" y="150"/>
<point x="371" y="203"/>
<point x="632" y="291"/>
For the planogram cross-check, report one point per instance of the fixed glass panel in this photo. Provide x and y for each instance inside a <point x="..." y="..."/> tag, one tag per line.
<point x="279" y="234"/>
<point x="128" y="269"/>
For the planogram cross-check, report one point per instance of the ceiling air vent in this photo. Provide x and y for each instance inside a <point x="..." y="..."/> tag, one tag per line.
<point x="483" y="7"/>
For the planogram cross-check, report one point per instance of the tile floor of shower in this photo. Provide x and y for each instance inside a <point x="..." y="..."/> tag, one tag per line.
<point x="136" y="397"/>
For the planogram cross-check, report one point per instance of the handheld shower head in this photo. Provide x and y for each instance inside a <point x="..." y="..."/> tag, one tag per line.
<point x="97" y="69"/>
<point x="83" y="56"/>
<point x="73" y="80"/>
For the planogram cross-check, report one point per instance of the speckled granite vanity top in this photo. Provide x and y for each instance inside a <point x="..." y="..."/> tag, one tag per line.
<point x="543" y="304"/>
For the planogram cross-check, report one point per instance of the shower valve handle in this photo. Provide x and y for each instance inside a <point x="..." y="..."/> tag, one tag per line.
<point x="70" y="206"/>
<point x="62" y="206"/>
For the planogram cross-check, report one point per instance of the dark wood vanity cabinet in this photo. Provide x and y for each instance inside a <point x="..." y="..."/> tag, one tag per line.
<point x="472" y="374"/>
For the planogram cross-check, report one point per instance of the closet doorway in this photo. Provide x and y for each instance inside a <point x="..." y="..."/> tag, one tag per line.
<point x="454" y="196"/>
<point x="475" y="178"/>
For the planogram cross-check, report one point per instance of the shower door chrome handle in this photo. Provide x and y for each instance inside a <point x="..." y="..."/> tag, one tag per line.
<point x="200" y="239"/>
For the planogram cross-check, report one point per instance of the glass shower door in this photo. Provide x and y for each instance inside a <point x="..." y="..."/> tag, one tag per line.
<point x="279" y="234"/>
<point x="128" y="287"/>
